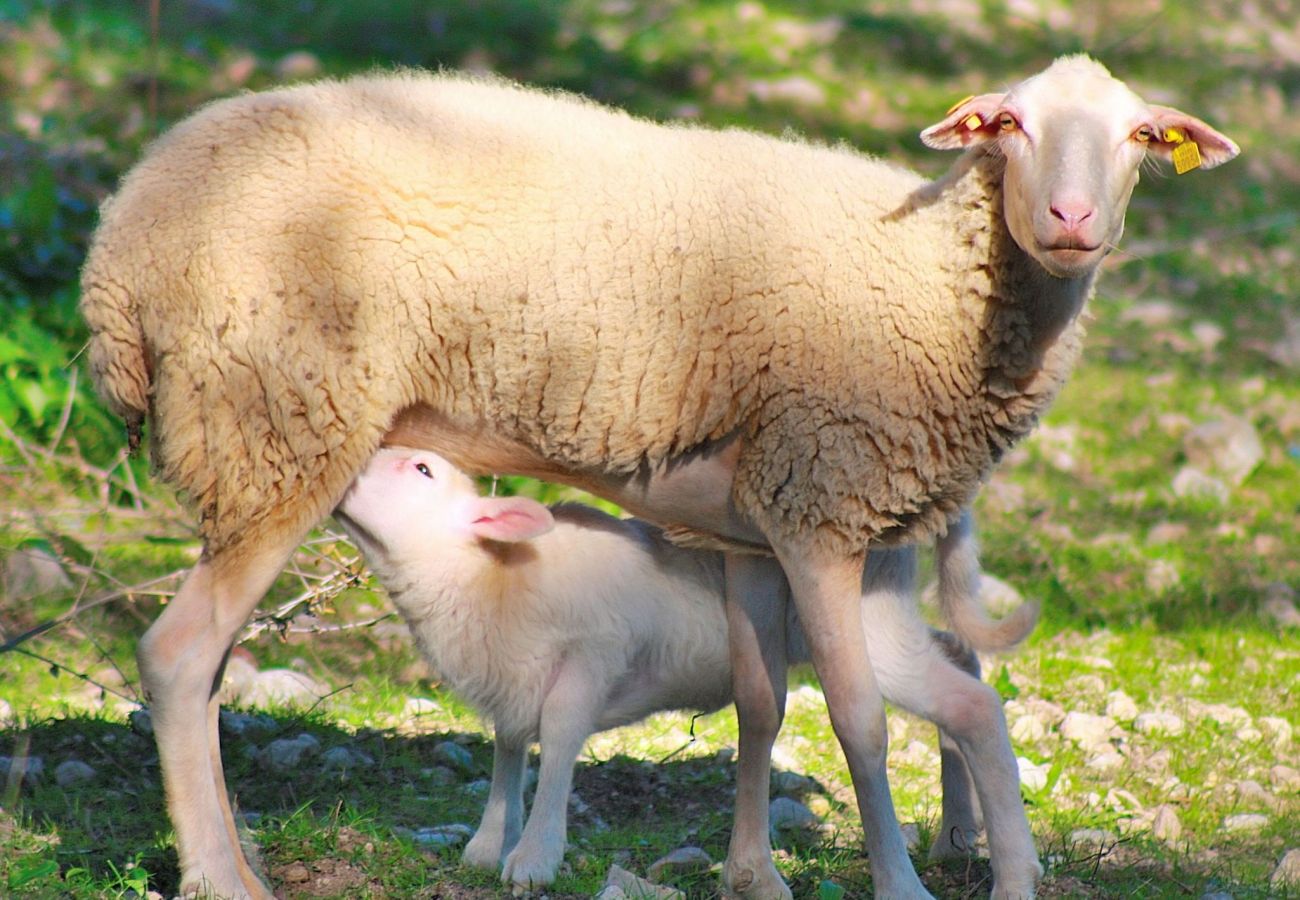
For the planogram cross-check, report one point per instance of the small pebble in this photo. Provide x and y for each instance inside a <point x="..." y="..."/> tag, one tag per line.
<point x="1121" y="707"/>
<point x="1086" y="729"/>
<point x="682" y="861"/>
<point x="1245" y="822"/>
<point x="1159" y="723"/>
<point x="1166" y="826"/>
<point x="1287" y="873"/>
<point x="72" y="772"/>
<point x="454" y="756"/>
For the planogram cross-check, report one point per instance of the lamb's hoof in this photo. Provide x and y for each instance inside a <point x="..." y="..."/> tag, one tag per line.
<point x="526" y="871"/>
<point x="482" y="853"/>
<point x="1023" y="886"/>
<point x="205" y="889"/>
<point x="761" y="882"/>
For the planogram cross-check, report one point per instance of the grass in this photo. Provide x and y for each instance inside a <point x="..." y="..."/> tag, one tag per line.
<point x="1161" y="597"/>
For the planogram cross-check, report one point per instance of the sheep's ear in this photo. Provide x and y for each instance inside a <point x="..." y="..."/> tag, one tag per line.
<point x="1174" y="128"/>
<point x="510" y="519"/>
<point x="969" y="121"/>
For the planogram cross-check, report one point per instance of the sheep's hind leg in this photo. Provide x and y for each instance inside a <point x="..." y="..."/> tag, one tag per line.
<point x="917" y="675"/>
<point x="503" y="815"/>
<point x="962" y="818"/>
<point x="828" y="596"/>
<point x="181" y="658"/>
<point x="756" y="602"/>
<point x="569" y="715"/>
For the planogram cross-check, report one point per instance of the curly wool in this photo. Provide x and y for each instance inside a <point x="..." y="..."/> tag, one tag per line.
<point x="288" y="271"/>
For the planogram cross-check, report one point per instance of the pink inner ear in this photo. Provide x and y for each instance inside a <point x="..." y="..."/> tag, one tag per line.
<point x="510" y="519"/>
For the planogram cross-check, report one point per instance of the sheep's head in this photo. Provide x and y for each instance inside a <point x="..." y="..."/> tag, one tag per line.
<point x="409" y="504"/>
<point x="1074" y="139"/>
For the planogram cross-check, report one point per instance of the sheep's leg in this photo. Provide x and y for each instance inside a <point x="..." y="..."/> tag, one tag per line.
<point x="181" y="658"/>
<point x="828" y="596"/>
<point x="916" y="674"/>
<point x="962" y="818"/>
<point x="569" y="715"/>
<point x="756" y="602"/>
<point x="503" y="816"/>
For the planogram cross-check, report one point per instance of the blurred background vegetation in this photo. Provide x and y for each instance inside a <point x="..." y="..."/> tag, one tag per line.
<point x="1197" y="318"/>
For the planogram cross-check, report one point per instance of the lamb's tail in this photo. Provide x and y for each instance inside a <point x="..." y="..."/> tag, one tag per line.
<point x="116" y="354"/>
<point x="957" y="562"/>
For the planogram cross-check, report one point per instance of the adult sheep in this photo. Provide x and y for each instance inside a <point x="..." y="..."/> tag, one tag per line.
<point x="761" y="340"/>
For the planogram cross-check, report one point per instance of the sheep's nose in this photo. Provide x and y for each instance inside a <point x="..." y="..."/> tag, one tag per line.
<point x="1072" y="214"/>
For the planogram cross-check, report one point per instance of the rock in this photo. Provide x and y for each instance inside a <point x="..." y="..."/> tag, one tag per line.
<point x="636" y="888"/>
<point x="239" y="677"/>
<point x="1165" y="825"/>
<point x="297" y="65"/>
<point x="1287" y="873"/>
<point x="443" y="837"/>
<point x="1106" y="761"/>
<point x="72" y="772"/>
<point x="791" y="784"/>
<point x="1093" y="837"/>
<point x="682" y="861"/>
<point x="1168" y="533"/>
<point x="1230" y="717"/>
<point x="282" y="687"/>
<point x="1085" y="729"/>
<point x="1277" y="730"/>
<point x="287" y="753"/>
<point x="1228" y="447"/>
<point x="6" y="714"/>
<point x="1253" y="793"/>
<point x="1121" y="707"/>
<point x="420" y="706"/>
<point x="786" y="815"/>
<point x="295" y="873"/>
<point x="1159" y="723"/>
<point x="32" y="572"/>
<point x="454" y="756"/>
<point x="911" y="835"/>
<point x="1032" y="776"/>
<point x="342" y="759"/>
<point x="1153" y="313"/>
<point x="1207" y="335"/>
<point x="1192" y="483"/>
<point x="1162" y="576"/>
<point x="1028" y="729"/>
<point x="1284" y="778"/>
<point x="1280" y="605"/>
<point x="33" y="767"/>
<point x="1245" y="822"/>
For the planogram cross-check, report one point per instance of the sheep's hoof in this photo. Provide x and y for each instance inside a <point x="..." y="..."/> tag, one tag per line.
<point x="761" y="882"/>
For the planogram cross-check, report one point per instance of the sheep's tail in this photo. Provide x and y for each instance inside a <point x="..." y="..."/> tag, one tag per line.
<point x="957" y="561"/>
<point x="116" y="354"/>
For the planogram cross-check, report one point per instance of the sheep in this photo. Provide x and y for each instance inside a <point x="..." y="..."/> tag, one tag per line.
<point x="556" y="623"/>
<point x="757" y="341"/>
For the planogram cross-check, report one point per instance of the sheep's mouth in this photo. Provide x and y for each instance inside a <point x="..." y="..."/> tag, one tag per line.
<point x="1066" y="260"/>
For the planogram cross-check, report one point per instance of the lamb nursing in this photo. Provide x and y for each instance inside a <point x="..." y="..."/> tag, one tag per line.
<point x="557" y="623"/>
<point x="750" y="340"/>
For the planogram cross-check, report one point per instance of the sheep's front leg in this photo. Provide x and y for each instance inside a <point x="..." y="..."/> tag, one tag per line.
<point x="503" y="816"/>
<point x="827" y="591"/>
<point x="569" y="714"/>
<point x="756" y="601"/>
<point x="181" y="658"/>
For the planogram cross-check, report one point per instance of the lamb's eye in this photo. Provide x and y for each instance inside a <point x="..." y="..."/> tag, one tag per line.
<point x="1143" y="134"/>
<point x="423" y="469"/>
<point x="1007" y="122"/>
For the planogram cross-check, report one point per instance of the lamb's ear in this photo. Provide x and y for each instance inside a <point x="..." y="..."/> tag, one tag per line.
<point x="1174" y="128"/>
<point x="510" y="519"/>
<point x="970" y="121"/>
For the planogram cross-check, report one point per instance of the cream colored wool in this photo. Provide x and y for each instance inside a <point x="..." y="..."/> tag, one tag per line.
<point x="287" y="271"/>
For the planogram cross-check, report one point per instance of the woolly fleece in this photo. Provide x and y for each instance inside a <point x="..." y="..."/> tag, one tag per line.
<point x="287" y="271"/>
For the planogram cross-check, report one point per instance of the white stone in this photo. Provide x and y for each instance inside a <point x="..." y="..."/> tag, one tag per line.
<point x="31" y="572"/>
<point x="1159" y="723"/>
<point x="1094" y="837"/>
<point x="1032" y="775"/>
<point x="1190" y="482"/>
<point x="1086" y="729"/>
<point x="1287" y="873"/>
<point x="632" y="886"/>
<point x="682" y="861"/>
<point x="6" y="714"/>
<point x="1162" y="576"/>
<point x="1277" y="730"/>
<point x="1228" y="447"/>
<point x="1284" y="778"/>
<point x="282" y="687"/>
<point x="786" y="814"/>
<point x="1028" y="729"/>
<point x="1106" y="761"/>
<point x="286" y="753"/>
<point x="1121" y="707"/>
<point x="1165" y="825"/>
<point x="420" y="706"/>
<point x="453" y="756"/>
<point x="72" y="772"/>
<point x="1245" y="822"/>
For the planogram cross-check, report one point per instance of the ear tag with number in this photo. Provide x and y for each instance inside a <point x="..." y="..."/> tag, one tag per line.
<point x="972" y="122"/>
<point x="1187" y="155"/>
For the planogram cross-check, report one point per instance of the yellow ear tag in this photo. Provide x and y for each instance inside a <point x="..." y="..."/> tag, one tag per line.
<point x="1187" y="156"/>
<point x="956" y="106"/>
<point x="972" y="122"/>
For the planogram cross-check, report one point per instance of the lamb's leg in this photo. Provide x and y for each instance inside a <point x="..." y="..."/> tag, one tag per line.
<point x="569" y="715"/>
<point x="916" y="674"/>
<point x="756" y="601"/>
<point x="503" y="816"/>
<point x="181" y="658"/>
<point x="962" y="817"/>
<point x="827" y="591"/>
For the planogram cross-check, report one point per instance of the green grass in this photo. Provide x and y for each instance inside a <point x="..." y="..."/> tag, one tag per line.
<point x="1144" y="592"/>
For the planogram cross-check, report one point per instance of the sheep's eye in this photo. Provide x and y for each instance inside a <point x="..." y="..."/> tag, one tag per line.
<point x="1007" y="122"/>
<point x="1143" y="134"/>
<point x="423" y="469"/>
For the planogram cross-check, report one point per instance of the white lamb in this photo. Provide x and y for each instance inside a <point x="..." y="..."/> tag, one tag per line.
<point x="557" y="623"/>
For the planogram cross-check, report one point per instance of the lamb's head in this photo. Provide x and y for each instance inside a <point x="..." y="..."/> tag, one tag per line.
<point x="1074" y="138"/>
<point x="410" y="503"/>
